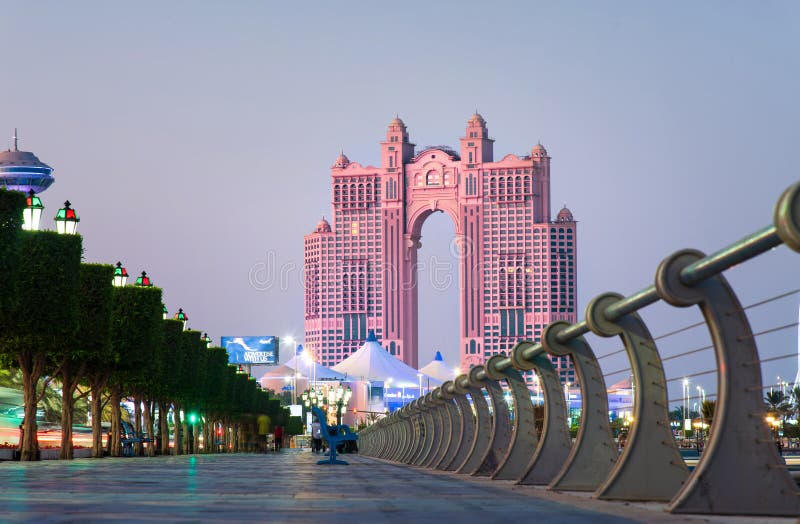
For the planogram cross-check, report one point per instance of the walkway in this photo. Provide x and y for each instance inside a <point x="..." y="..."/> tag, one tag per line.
<point x="284" y="487"/>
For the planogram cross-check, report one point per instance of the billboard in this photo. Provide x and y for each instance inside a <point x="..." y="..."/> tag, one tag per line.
<point x="262" y="351"/>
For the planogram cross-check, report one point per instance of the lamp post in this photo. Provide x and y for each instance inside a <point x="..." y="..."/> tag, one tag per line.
<point x="702" y="393"/>
<point x="32" y="214"/>
<point x="697" y="427"/>
<point x="685" y="402"/>
<point x="183" y="317"/>
<point x="143" y="280"/>
<point x="120" y="275"/>
<point x="67" y="220"/>
<point x="339" y="397"/>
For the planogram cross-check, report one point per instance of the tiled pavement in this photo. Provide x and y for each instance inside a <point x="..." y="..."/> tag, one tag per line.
<point x="282" y="487"/>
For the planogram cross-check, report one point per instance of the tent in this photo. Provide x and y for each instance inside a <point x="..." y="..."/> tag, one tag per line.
<point x="438" y="369"/>
<point x="314" y="370"/>
<point x="373" y="363"/>
<point x="280" y="377"/>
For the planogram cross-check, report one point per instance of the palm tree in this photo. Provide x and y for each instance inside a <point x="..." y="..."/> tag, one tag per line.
<point x="707" y="411"/>
<point x="794" y="401"/>
<point x="777" y="403"/>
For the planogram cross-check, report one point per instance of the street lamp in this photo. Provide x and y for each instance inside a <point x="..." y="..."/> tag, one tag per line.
<point x="697" y="427"/>
<point x="685" y="400"/>
<point x="339" y="397"/>
<point x="702" y="393"/>
<point x="32" y="214"/>
<point x="183" y="317"/>
<point x="67" y="220"/>
<point x="205" y="338"/>
<point x="144" y="280"/>
<point x="120" y="275"/>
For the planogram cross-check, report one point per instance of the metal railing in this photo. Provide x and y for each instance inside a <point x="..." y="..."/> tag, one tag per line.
<point x="465" y="425"/>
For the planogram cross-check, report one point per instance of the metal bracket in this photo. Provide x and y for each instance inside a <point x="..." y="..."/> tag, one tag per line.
<point x="594" y="453"/>
<point x="482" y="442"/>
<point x="523" y="431"/>
<point x="651" y="467"/>
<point x="554" y="446"/>
<point x="740" y="471"/>
<point x="467" y="432"/>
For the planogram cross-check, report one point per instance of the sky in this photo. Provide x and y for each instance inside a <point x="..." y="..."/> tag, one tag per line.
<point x="195" y="138"/>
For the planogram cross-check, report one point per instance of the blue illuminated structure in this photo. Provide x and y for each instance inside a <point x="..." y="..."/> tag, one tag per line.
<point x="23" y="171"/>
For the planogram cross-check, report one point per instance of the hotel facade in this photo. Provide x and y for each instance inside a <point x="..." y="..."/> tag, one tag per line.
<point x="517" y="266"/>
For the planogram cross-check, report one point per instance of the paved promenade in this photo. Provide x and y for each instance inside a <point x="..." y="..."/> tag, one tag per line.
<point x="283" y="487"/>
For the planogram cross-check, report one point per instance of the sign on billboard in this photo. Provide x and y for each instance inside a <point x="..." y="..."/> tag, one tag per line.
<point x="251" y="350"/>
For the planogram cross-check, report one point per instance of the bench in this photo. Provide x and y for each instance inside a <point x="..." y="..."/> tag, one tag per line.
<point x="129" y="437"/>
<point x="333" y="435"/>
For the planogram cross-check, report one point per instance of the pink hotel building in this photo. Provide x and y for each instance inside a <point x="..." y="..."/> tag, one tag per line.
<point x="517" y="267"/>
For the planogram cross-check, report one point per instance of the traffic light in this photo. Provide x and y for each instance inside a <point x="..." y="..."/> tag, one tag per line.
<point x="355" y="411"/>
<point x="192" y="418"/>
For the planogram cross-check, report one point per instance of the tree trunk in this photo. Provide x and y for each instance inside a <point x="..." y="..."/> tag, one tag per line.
<point x="138" y="449"/>
<point x="208" y="437"/>
<point x="29" y="445"/>
<point x="66" y="423"/>
<point x="97" y="419"/>
<point x="116" y="422"/>
<point x="163" y="412"/>
<point x="176" y="413"/>
<point x="67" y="405"/>
<point x="148" y="426"/>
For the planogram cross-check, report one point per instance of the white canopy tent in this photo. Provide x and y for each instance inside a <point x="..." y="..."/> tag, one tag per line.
<point x="438" y="369"/>
<point x="373" y="363"/>
<point x="314" y="370"/>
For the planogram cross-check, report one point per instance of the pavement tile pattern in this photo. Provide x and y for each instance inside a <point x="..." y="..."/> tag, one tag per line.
<point x="279" y="487"/>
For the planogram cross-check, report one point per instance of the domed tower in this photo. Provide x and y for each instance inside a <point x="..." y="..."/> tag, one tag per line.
<point x="541" y="171"/>
<point x="322" y="226"/>
<point x="396" y="150"/>
<point x="23" y="171"/>
<point x="565" y="215"/>
<point x="476" y="146"/>
<point x="341" y="161"/>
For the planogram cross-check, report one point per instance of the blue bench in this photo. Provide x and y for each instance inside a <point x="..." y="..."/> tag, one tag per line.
<point x="333" y="435"/>
<point x="129" y="437"/>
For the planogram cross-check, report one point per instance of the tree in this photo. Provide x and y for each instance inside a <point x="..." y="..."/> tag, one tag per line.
<point x="794" y="402"/>
<point x="11" y="205"/>
<point x="170" y="375"/>
<point x="88" y="345"/>
<point x="777" y="403"/>
<point x="135" y="330"/>
<point x="44" y="316"/>
<point x="707" y="410"/>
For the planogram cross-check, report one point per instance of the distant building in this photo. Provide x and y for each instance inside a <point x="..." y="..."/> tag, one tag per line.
<point x="516" y="266"/>
<point x="23" y="171"/>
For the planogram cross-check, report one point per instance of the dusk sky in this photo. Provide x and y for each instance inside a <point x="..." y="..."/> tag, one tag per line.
<point x="195" y="138"/>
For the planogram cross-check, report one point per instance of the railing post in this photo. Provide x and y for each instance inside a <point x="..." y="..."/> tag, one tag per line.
<point x="651" y="467"/>
<point x="523" y="432"/>
<point x="468" y="423"/>
<point x="555" y="443"/>
<point x="740" y="471"/>
<point x="482" y="444"/>
<point x="594" y="453"/>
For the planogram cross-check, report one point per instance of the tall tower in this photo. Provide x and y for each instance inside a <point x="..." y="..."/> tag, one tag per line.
<point x="22" y="171"/>
<point x="516" y="266"/>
